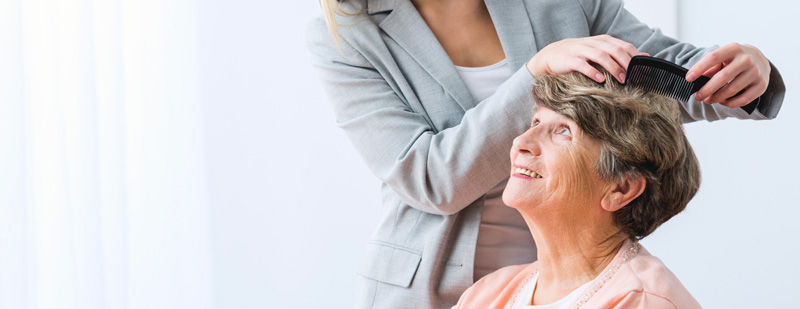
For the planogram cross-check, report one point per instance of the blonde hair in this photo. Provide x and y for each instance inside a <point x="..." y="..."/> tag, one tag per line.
<point x="641" y="134"/>
<point x="331" y="8"/>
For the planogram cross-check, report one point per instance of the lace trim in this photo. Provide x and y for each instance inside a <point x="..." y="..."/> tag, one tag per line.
<point x="599" y="282"/>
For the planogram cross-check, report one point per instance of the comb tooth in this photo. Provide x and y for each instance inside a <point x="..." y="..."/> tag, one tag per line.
<point x="673" y="88"/>
<point x="686" y="91"/>
<point x="673" y="82"/>
<point x="678" y="90"/>
<point x="634" y="78"/>
<point x="670" y="83"/>
<point x="667" y="82"/>
<point x="654" y="81"/>
<point x="679" y="85"/>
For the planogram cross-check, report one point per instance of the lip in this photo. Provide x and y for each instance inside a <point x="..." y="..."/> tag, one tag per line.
<point x="522" y="176"/>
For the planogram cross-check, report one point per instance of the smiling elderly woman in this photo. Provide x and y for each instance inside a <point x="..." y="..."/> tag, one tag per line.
<point x="601" y="167"/>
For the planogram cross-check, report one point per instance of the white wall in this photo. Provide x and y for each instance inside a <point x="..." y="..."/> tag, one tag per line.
<point x="285" y="182"/>
<point x="282" y="175"/>
<point x="736" y="244"/>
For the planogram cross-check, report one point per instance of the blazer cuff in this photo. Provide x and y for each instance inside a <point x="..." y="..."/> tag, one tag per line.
<point x="772" y="99"/>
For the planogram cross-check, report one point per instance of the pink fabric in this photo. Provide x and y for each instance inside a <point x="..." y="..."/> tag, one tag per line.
<point x="641" y="282"/>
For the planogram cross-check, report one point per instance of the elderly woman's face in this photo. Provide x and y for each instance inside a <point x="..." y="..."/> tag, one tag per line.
<point x="552" y="165"/>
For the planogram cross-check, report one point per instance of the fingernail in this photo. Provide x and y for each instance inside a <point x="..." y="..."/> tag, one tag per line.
<point x="691" y="76"/>
<point x="622" y="77"/>
<point x="598" y="77"/>
<point x="698" y="97"/>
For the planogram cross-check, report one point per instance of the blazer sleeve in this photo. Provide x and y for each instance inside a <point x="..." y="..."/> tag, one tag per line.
<point x="439" y="172"/>
<point x="610" y="17"/>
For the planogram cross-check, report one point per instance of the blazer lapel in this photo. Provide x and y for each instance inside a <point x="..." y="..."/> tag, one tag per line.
<point x="409" y="30"/>
<point x="406" y="27"/>
<point x="514" y="28"/>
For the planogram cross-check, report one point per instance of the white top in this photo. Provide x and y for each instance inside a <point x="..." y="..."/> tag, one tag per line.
<point x="483" y="81"/>
<point x="503" y="236"/>
<point x="563" y="303"/>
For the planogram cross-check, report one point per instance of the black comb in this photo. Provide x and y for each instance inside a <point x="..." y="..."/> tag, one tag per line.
<point x="668" y="79"/>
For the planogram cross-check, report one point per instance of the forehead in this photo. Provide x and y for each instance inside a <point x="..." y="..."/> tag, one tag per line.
<point x="546" y="114"/>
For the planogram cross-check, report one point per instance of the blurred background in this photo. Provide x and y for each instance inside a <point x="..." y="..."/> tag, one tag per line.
<point x="182" y="154"/>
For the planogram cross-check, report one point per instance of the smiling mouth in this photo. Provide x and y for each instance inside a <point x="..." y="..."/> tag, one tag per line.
<point x="526" y="172"/>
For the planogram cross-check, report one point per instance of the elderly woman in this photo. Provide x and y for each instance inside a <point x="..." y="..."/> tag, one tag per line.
<point x="602" y="166"/>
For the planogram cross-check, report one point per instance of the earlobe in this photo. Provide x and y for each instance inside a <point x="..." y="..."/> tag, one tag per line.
<point x="621" y="194"/>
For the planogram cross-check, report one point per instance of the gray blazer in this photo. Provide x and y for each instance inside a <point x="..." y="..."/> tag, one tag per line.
<point x="437" y="151"/>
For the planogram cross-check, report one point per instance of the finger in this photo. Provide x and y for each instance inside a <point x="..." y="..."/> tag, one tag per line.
<point x="714" y="58"/>
<point x="621" y="51"/>
<point x="610" y="64"/>
<point x="713" y="70"/>
<point x="587" y="69"/>
<point x="737" y="84"/>
<point x="745" y="98"/>
<point x="720" y="79"/>
<point x="758" y="88"/>
<point x="620" y="55"/>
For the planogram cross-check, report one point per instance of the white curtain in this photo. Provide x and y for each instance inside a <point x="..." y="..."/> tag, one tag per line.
<point x="102" y="185"/>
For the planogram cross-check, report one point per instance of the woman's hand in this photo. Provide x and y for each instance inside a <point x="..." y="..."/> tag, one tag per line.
<point x="574" y="55"/>
<point x="732" y="68"/>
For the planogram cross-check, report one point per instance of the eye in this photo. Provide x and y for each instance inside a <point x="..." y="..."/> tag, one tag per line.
<point x="535" y="123"/>
<point x="564" y="130"/>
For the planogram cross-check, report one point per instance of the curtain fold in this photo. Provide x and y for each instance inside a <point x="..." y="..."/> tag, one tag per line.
<point x="102" y="182"/>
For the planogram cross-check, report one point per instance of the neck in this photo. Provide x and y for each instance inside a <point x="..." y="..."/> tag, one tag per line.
<point x="572" y="252"/>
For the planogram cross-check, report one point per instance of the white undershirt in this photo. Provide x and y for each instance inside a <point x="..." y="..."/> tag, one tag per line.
<point x="503" y="236"/>
<point x="483" y="81"/>
<point x="527" y="294"/>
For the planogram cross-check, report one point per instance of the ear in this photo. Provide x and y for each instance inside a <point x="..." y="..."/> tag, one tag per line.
<point x="623" y="193"/>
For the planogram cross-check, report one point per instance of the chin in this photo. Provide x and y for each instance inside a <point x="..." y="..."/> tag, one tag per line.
<point x="510" y="199"/>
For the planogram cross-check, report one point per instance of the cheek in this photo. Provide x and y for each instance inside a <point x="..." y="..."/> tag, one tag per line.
<point x="577" y="180"/>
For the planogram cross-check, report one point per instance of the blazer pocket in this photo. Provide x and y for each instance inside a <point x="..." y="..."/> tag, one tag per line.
<point x="390" y="264"/>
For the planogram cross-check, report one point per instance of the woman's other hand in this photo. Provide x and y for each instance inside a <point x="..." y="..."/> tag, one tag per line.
<point x="575" y="55"/>
<point x="732" y="68"/>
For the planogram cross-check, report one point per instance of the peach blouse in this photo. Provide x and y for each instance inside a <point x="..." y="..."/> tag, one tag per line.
<point x="634" y="279"/>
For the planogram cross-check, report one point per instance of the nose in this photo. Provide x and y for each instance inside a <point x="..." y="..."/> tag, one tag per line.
<point x="527" y="143"/>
